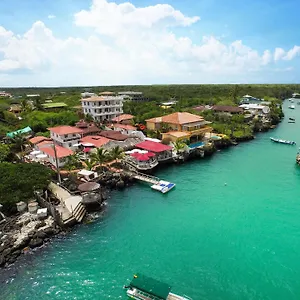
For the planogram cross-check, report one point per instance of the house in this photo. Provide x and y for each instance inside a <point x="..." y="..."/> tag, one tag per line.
<point x="33" y="95"/>
<point x="227" y="109"/>
<point x="124" y="119"/>
<point x="113" y="135"/>
<point x="88" y="128"/>
<point x="256" y="109"/>
<point x="103" y="108"/>
<point x="66" y="136"/>
<point x="133" y="96"/>
<point x="296" y="95"/>
<point x="54" y="105"/>
<point x="95" y="140"/>
<point x="38" y="139"/>
<point x="16" y="109"/>
<point x="140" y="159"/>
<point x="247" y="99"/>
<point x="190" y="127"/>
<point x="124" y="128"/>
<point x="5" y="94"/>
<point x="162" y="152"/>
<point x="60" y="153"/>
<point x="87" y="94"/>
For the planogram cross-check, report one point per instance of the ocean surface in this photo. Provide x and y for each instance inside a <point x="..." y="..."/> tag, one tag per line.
<point x="229" y="230"/>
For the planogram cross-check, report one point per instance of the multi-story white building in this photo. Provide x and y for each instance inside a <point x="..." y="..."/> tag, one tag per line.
<point x="66" y="136"/>
<point x="103" y="108"/>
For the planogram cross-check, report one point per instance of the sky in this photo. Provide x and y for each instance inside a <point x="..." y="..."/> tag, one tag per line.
<point x="113" y="42"/>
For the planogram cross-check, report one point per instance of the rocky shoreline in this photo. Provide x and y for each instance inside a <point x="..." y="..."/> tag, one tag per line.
<point x="22" y="233"/>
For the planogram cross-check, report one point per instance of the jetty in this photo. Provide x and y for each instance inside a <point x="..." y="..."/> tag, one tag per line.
<point x="157" y="184"/>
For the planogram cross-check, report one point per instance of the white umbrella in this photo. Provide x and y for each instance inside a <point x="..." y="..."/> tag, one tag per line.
<point x="77" y="145"/>
<point x="41" y="156"/>
<point x="87" y="145"/>
<point x="35" y="152"/>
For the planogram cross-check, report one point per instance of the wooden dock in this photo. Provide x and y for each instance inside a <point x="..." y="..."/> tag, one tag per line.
<point x="145" y="177"/>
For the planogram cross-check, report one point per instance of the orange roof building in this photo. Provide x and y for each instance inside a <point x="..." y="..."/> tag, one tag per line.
<point x="38" y="139"/>
<point x="66" y="136"/>
<point x="123" y="119"/>
<point x="179" y="125"/>
<point x="96" y="140"/>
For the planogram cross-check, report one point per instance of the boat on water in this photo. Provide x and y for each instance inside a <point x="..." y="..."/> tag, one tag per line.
<point x="283" y="141"/>
<point x="142" y="287"/>
<point x="291" y="120"/>
<point x="292" y="106"/>
<point x="163" y="186"/>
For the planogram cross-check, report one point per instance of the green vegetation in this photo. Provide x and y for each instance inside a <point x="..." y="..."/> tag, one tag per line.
<point x="18" y="182"/>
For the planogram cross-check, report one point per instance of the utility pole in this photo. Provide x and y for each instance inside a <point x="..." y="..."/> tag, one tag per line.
<point x="56" y="162"/>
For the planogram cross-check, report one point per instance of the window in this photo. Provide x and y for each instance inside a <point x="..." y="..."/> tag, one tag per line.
<point x="70" y="144"/>
<point x="74" y="135"/>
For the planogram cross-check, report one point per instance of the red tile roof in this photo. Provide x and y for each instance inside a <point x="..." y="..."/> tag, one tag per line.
<point x="124" y="126"/>
<point x="38" y="139"/>
<point x="43" y="143"/>
<point x="60" y="151"/>
<point x="65" y="130"/>
<point x="177" y="118"/>
<point x="113" y="135"/>
<point x="96" y="140"/>
<point x="153" y="146"/>
<point x="123" y="117"/>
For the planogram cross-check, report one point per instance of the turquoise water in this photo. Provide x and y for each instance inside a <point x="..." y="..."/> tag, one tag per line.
<point x="207" y="239"/>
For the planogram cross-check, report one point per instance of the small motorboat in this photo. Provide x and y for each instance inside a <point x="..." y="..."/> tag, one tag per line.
<point x="283" y="141"/>
<point x="292" y="106"/>
<point x="291" y="120"/>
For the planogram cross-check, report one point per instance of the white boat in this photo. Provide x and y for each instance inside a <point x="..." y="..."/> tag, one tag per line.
<point x="142" y="287"/>
<point x="292" y="106"/>
<point x="282" y="141"/>
<point x="163" y="186"/>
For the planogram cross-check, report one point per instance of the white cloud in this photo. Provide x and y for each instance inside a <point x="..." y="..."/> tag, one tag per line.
<point x="128" y="45"/>
<point x="292" y="53"/>
<point x="279" y="54"/>
<point x="51" y="17"/>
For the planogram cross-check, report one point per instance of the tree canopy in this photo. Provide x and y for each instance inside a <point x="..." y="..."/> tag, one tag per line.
<point x="18" y="182"/>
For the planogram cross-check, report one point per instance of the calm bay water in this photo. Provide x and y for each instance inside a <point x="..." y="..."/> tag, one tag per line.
<point x="207" y="239"/>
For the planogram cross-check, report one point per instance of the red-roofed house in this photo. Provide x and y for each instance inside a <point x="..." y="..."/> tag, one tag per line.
<point x="61" y="153"/>
<point x="162" y="152"/>
<point x="66" y="136"/>
<point x="124" y="128"/>
<point x="96" y="140"/>
<point x="37" y="139"/>
<point x="123" y="119"/>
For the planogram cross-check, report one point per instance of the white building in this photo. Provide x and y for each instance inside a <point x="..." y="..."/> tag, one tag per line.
<point x="60" y="154"/>
<point x="87" y="94"/>
<point x="256" y="108"/>
<point x="66" y="136"/>
<point x="103" y="108"/>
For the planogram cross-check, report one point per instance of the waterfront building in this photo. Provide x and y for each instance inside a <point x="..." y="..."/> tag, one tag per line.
<point x="296" y="95"/>
<point x="247" y="99"/>
<point x="103" y="108"/>
<point x="38" y="139"/>
<point x="180" y="125"/>
<point x="140" y="159"/>
<point x="162" y="152"/>
<point x="5" y="94"/>
<point x="133" y="96"/>
<point x="66" y="136"/>
<point x="256" y="109"/>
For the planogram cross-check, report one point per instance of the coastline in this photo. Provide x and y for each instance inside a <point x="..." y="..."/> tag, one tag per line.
<point x="39" y="239"/>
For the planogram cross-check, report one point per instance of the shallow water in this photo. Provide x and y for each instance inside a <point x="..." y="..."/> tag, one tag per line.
<point x="229" y="230"/>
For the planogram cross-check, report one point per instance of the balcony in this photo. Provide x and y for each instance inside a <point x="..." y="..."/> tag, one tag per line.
<point x="198" y="131"/>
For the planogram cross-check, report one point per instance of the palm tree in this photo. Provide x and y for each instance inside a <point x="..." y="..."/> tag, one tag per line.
<point x="116" y="153"/>
<point x="19" y="142"/>
<point x="100" y="156"/>
<point x="179" y="146"/>
<point x="90" y="164"/>
<point x="88" y="118"/>
<point x="25" y="105"/>
<point x="72" y="162"/>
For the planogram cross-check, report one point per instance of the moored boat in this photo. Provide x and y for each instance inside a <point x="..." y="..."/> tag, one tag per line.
<point x="142" y="287"/>
<point x="283" y="141"/>
<point x="292" y="106"/>
<point x="163" y="186"/>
